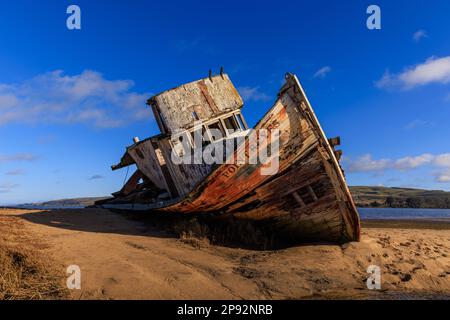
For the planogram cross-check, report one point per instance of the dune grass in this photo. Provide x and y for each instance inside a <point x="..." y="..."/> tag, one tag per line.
<point x="26" y="273"/>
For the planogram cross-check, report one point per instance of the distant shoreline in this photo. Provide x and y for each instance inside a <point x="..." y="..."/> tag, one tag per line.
<point x="406" y="224"/>
<point x="384" y="197"/>
<point x="364" y="197"/>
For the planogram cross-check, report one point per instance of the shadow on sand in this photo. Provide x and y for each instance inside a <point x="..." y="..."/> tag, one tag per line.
<point x="91" y="220"/>
<point x="223" y="232"/>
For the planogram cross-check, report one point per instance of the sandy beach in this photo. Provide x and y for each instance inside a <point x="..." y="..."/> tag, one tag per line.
<point x="123" y="258"/>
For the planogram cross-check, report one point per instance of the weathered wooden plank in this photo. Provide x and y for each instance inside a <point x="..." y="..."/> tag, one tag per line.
<point x="147" y="161"/>
<point x="207" y="98"/>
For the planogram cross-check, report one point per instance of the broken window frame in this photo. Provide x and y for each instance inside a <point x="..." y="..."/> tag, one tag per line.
<point x="220" y="127"/>
<point x="305" y="195"/>
<point x="240" y="120"/>
<point x="231" y="119"/>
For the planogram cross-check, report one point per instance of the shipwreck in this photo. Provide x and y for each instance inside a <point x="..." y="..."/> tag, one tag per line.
<point x="305" y="199"/>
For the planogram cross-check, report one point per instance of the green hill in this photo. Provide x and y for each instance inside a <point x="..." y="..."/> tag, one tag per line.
<point x="384" y="197"/>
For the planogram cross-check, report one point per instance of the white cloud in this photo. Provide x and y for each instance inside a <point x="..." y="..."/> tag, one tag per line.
<point x="253" y="93"/>
<point x="322" y="72"/>
<point x="17" y="157"/>
<point x="443" y="177"/>
<point x="409" y="163"/>
<point x="366" y="163"/>
<point x="442" y="160"/>
<point x="419" y="35"/>
<point x="84" y="98"/>
<point x="433" y="70"/>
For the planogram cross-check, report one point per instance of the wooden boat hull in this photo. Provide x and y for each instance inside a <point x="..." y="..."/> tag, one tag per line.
<point x="307" y="199"/>
<point x="306" y="159"/>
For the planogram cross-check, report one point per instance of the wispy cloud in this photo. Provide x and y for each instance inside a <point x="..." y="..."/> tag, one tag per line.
<point x="366" y="163"/>
<point x="17" y="172"/>
<point x="322" y="72"/>
<point x="419" y="35"/>
<point x="197" y="44"/>
<point x="7" y="187"/>
<point x="253" y="94"/>
<point x="417" y="124"/>
<point x="443" y="177"/>
<point x="87" y="98"/>
<point x="96" y="177"/>
<point x="433" y="70"/>
<point x="17" y="157"/>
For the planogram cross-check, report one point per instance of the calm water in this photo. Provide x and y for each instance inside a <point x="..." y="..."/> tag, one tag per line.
<point x="394" y="213"/>
<point x="365" y="213"/>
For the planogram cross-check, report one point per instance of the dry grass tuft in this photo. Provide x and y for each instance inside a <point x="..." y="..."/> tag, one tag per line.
<point x="24" y="276"/>
<point x="197" y="230"/>
<point x="25" y="272"/>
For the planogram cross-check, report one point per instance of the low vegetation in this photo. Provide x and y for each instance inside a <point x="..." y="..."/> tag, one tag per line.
<point x="25" y="272"/>
<point x="384" y="197"/>
<point x="195" y="229"/>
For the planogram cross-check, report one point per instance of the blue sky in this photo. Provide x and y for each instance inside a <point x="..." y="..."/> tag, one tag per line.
<point x="70" y="101"/>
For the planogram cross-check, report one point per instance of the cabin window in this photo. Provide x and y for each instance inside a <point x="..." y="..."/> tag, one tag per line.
<point x="241" y="121"/>
<point x="230" y="124"/>
<point x="198" y="131"/>
<point x="195" y="116"/>
<point x="192" y="133"/>
<point x="307" y="194"/>
<point x="320" y="188"/>
<point x="216" y="126"/>
<point x="206" y="138"/>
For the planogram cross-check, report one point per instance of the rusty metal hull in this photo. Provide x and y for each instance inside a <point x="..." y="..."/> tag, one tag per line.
<point x="307" y="199"/>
